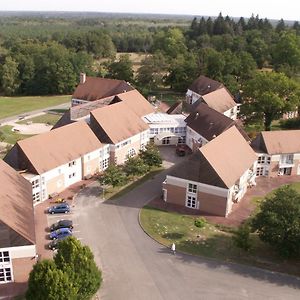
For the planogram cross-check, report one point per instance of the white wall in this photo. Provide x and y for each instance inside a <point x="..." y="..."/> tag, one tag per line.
<point x="192" y="135"/>
<point x="192" y="97"/>
<point x="201" y="187"/>
<point x="21" y="251"/>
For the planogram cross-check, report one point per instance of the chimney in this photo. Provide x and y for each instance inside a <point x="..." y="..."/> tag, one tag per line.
<point x="82" y="78"/>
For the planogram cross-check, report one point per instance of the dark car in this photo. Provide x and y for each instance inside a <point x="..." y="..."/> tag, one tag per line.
<point x="60" y="208"/>
<point x="62" y="224"/>
<point x="60" y="233"/>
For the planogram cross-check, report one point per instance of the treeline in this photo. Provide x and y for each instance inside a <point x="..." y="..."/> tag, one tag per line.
<point x="45" y="56"/>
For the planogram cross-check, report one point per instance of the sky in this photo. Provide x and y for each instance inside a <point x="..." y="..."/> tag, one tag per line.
<point x="271" y="9"/>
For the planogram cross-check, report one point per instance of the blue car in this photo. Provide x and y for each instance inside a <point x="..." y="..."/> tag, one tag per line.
<point x="60" y="208"/>
<point x="60" y="233"/>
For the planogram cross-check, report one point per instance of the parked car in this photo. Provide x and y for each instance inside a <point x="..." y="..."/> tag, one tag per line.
<point x="60" y="208"/>
<point x="60" y="233"/>
<point x="53" y="245"/>
<point x="62" y="224"/>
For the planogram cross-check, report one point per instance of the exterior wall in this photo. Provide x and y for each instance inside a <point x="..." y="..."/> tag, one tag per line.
<point x="193" y="139"/>
<point x="191" y="97"/>
<point x="19" y="264"/>
<point x="122" y="149"/>
<point x="290" y="115"/>
<point x="172" y="140"/>
<point x="55" y="185"/>
<point x="91" y="163"/>
<point x="210" y="199"/>
<point x="213" y="204"/>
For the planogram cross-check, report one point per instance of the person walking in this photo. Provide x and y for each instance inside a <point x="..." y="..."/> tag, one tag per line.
<point x="173" y="248"/>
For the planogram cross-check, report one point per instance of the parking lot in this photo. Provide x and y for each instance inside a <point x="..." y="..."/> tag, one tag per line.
<point x="44" y="220"/>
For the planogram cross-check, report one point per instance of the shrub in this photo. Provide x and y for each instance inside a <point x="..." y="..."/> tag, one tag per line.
<point x="200" y="222"/>
<point x="241" y="238"/>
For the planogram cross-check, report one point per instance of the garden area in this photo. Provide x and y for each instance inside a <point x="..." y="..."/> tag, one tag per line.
<point x="276" y="250"/>
<point x="120" y="179"/>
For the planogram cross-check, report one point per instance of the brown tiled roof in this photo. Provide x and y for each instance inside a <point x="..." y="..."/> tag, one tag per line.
<point x="278" y="142"/>
<point x="176" y="108"/>
<point x="116" y="122"/>
<point x="208" y="122"/>
<point x="96" y="88"/>
<point x="220" y="162"/>
<point x="49" y="150"/>
<point x="137" y="103"/>
<point x="16" y="209"/>
<point x="204" y="85"/>
<point x="220" y="100"/>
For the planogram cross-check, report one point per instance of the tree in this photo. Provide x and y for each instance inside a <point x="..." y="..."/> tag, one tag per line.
<point x="121" y="69"/>
<point x="151" y="156"/>
<point x="278" y="222"/>
<point x="46" y="281"/>
<point x="135" y="166"/>
<point x="10" y="76"/>
<point x="114" y="175"/>
<point x="77" y="261"/>
<point x="150" y="74"/>
<point x="267" y="96"/>
<point x="242" y="237"/>
<point x="182" y="72"/>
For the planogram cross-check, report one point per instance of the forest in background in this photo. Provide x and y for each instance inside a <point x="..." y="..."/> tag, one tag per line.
<point x="43" y="54"/>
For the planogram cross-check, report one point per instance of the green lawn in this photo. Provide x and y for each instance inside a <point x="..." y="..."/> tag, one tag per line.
<point x="50" y="119"/>
<point x="10" y="136"/>
<point x="10" y="106"/>
<point x="118" y="191"/>
<point x="212" y="241"/>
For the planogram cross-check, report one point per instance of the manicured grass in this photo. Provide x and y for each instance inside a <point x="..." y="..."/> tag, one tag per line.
<point x="10" y="136"/>
<point x="10" y="106"/>
<point x="211" y="241"/>
<point x="115" y="192"/>
<point x="50" y="119"/>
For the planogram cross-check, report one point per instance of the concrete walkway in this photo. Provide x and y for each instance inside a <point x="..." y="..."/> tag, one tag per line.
<point x="136" y="267"/>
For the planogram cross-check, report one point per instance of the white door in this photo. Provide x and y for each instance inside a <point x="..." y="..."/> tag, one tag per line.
<point x="165" y="192"/>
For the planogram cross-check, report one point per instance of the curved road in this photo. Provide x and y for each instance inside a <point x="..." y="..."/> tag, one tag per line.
<point x="135" y="267"/>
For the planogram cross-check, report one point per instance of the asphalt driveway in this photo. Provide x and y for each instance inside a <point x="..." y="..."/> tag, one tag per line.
<point x="136" y="267"/>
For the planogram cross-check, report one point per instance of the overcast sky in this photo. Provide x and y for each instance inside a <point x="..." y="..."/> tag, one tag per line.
<point x="272" y="9"/>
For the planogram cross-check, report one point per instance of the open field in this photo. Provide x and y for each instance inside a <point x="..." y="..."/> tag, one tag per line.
<point x="214" y="241"/>
<point x="10" y="106"/>
<point x="49" y="119"/>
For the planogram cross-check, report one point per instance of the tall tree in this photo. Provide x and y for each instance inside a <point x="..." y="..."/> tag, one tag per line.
<point x="278" y="222"/>
<point x="46" y="281"/>
<point x="77" y="261"/>
<point x="267" y="96"/>
<point x="121" y="69"/>
<point x="10" y="76"/>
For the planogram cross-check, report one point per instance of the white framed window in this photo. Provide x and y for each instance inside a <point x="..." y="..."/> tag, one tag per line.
<point x="59" y="171"/>
<point x="35" y="183"/>
<point x="36" y="197"/>
<point x="4" y="257"/>
<point x="72" y="175"/>
<point x="5" y="274"/>
<point x="261" y="160"/>
<point x="166" y="140"/>
<point x="104" y="164"/>
<point x="192" y="188"/>
<point x="131" y="152"/>
<point x="259" y="171"/>
<point x="89" y="157"/>
<point x="72" y="163"/>
<point x="43" y="180"/>
<point x="191" y="201"/>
